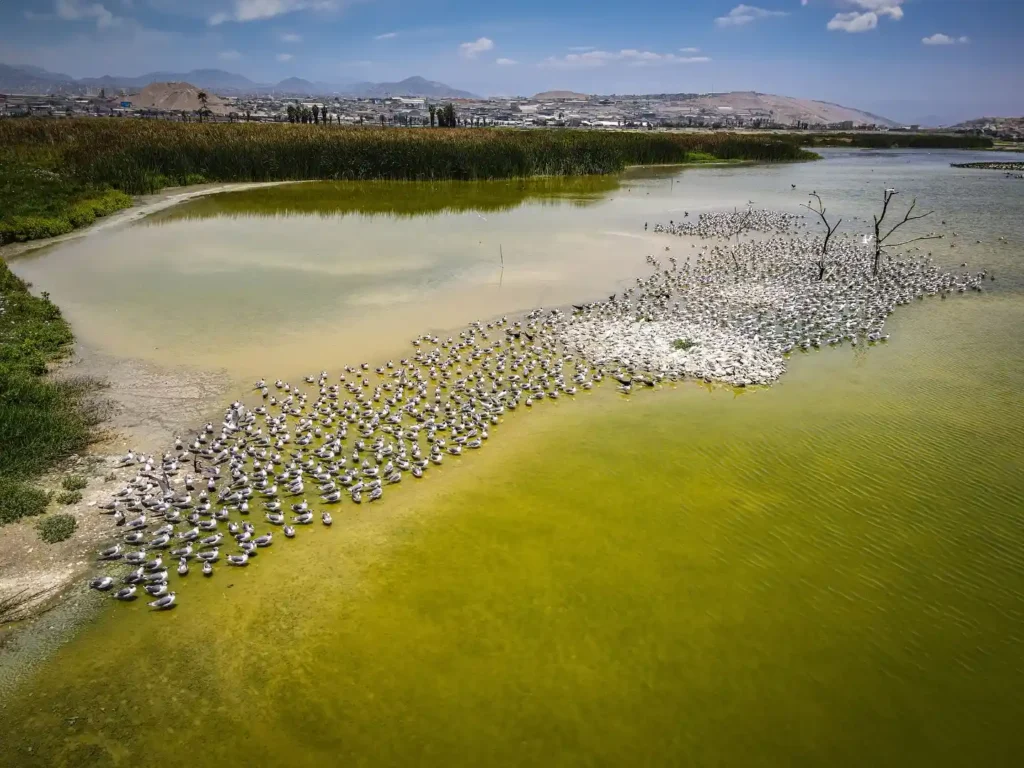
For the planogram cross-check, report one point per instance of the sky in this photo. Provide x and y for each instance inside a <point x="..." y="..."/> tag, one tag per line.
<point x="929" y="61"/>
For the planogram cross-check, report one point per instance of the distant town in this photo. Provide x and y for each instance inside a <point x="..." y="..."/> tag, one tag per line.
<point x="745" y="110"/>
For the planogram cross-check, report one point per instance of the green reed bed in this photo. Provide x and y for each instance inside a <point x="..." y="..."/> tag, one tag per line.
<point x="54" y="172"/>
<point x="896" y="140"/>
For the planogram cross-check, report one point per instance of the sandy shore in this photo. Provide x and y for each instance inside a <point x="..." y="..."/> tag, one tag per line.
<point x="144" y="206"/>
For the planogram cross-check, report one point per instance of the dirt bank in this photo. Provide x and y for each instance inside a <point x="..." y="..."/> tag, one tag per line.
<point x="148" y="405"/>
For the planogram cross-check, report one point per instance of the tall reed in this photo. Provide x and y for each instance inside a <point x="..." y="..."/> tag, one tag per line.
<point x="139" y="156"/>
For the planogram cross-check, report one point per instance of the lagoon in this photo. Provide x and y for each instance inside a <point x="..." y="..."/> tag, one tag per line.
<point x="827" y="570"/>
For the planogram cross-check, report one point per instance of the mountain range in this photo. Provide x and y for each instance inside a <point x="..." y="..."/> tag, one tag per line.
<point x="29" y="79"/>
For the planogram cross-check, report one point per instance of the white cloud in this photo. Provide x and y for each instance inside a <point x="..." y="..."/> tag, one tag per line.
<point x="940" y="39"/>
<point x="254" y="10"/>
<point x="853" y="22"/>
<point x="291" y="37"/>
<point x="744" y="14"/>
<point x="284" y="57"/>
<point x="229" y="55"/>
<point x="386" y="36"/>
<point x="629" y="56"/>
<point x="478" y="46"/>
<point x="506" y="62"/>
<point x="689" y="50"/>
<point x="890" y="8"/>
<point x="867" y="17"/>
<point x="76" y="10"/>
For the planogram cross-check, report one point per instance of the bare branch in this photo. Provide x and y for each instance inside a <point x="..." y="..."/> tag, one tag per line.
<point x="830" y="230"/>
<point x="913" y="240"/>
<point x="907" y="218"/>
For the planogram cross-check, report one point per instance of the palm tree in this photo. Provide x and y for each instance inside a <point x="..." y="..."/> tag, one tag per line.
<point x="203" y="98"/>
<point x="433" y="112"/>
<point x="316" y="113"/>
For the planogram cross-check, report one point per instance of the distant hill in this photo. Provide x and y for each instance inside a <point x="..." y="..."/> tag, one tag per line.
<point x="33" y="80"/>
<point x="40" y="72"/>
<point x="28" y="79"/>
<point x="177" y="97"/>
<point x="555" y="95"/>
<point x="206" y="78"/>
<point x="296" y="85"/>
<point x="994" y="123"/>
<point x="411" y="86"/>
<point x="783" y="109"/>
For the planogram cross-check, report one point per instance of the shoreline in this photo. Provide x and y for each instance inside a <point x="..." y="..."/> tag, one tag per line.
<point x="143" y="206"/>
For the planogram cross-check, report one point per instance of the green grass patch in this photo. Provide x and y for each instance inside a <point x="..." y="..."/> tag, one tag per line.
<point x="37" y="202"/>
<point x="18" y="500"/>
<point x="69" y="497"/>
<point x="683" y="344"/>
<point x="73" y="483"/>
<point x="41" y="420"/>
<point x="57" y="528"/>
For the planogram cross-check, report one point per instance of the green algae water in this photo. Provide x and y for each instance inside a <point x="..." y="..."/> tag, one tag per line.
<point x="829" y="571"/>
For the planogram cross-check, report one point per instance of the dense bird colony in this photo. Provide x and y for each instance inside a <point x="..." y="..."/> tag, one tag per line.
<point x="731" y="313"/>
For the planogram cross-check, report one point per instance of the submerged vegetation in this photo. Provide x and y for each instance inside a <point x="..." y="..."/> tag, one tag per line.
<point x="895" y="140"/>
<point x="394" y="198"/>
<point x="41" y="421"/>
<point x="683" y="344"/>
<point x="59" y="174"/>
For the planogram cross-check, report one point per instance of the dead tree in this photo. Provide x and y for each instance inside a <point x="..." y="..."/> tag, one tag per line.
<point x="830" y="229"/>
<point x="881" y="241"/>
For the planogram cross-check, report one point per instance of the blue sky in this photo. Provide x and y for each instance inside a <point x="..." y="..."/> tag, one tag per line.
<point x="908" y="59"/>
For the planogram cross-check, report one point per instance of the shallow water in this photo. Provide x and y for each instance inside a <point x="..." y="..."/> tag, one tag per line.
<point x="827" y="571"/>
<point x="288" y="280"/>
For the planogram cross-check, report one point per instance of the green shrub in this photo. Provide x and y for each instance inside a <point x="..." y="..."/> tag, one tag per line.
<point x="683" y="344"/>
<point x="57" y="528"/>
<point x="69" y="497"/>
<point x="20" y="228"/>
<point x="73" y="483"/>
<point x="18" y="500"/>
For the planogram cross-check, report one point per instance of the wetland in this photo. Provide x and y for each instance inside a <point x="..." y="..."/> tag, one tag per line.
<point x="830" y="569"/>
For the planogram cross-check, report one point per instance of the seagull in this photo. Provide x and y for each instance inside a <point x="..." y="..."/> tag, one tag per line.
<point x="164" y="603"/>
<point x="111" y="553"/>
<point x="128" y="593"/>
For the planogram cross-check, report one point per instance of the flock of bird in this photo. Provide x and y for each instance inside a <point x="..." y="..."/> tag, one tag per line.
<point x="730" y="312"/>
